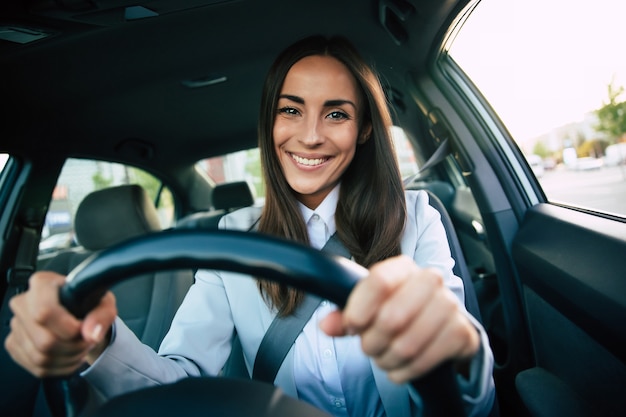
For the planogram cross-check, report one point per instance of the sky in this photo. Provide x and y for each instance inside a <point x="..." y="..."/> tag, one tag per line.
<point x="544" y="63"/>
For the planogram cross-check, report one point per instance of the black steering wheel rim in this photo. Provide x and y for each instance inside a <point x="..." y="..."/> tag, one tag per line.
<point x="327" y="276"/>
<point x="330" y="277"/>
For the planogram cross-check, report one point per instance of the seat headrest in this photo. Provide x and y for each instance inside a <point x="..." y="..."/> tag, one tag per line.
<point x="109" y="216"/>
<point x="232" y="195"/>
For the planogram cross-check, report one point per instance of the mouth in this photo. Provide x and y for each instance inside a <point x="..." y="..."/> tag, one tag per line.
<point x="311" y="162"/>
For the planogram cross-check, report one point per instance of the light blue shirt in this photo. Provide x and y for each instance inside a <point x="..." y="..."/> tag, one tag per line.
<point x="332" y="373"/>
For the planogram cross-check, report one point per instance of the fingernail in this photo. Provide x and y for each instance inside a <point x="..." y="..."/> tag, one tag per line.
<point x="96" y="333"/>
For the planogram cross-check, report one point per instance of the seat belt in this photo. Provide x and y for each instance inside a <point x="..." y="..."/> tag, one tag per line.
<point x="18" y="275"/>
<point x="283" y="331"/>
<point x="442" y="151"/>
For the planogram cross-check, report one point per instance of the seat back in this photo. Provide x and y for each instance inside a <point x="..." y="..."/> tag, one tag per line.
<point x="460" y="269"/>
<point x="226" y="198"/>
<point x="232" y="195"/>
<point x="146" y="303"/>
<point x="460" y="265"/>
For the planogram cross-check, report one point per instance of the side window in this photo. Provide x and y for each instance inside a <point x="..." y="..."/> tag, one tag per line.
<point x="554" y="73"/>
<point x="3" y="160"/>
<point x="80" y="177"/>
<point x="4" y="169"/>
<point x="404" y="152"/>
<point x="238" y="166"/>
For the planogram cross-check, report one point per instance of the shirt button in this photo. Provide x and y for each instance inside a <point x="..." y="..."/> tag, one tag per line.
<point x="338" y="404"/>
<point x="328" y="353"/>
<point x="315" y="217"/>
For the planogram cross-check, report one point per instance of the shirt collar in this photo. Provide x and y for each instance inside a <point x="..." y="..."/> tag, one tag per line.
<point x="326" y="210"/>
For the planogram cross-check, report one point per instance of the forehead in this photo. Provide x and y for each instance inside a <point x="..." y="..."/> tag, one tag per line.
<point x="320" y="74"/>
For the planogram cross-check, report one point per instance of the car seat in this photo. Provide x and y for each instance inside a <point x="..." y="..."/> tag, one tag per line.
<point x="146" y="303"/>
<point x="460" y="269"/>
<point x="460" y="264"/>
<point x="225" y="198"/>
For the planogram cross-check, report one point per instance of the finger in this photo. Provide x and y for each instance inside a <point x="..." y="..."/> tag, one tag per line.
<point x="400" y="311"/>
<point x="21" y="350"/>
<point x="99" y="320"/>
<point x="332" y="324"/>
<point x="44" y="337"/>
<point x="33" y="319"/>
<point x="51" y="360"/>
<point x="425" y="327"/>
<point x="370" y="293"/>
<point x="457" y="340"/>
<point x="39" y="307"/>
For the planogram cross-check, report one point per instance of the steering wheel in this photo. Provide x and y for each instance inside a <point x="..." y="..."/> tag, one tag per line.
<point x="329" y="277"/>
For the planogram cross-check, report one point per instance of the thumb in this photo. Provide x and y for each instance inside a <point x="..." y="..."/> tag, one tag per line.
<point x="98" y="321"/>
<point x="332" y="324"/>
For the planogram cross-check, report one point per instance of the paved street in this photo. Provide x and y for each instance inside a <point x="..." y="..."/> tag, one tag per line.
<point x="601" y="189"/>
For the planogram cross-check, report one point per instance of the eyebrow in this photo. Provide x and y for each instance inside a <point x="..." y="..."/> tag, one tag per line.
<point x="327" y="103"/>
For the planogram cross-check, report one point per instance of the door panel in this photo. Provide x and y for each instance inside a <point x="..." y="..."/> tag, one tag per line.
<point x="572" y="266"/>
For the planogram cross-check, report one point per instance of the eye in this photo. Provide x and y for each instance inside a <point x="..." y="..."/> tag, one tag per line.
<point x="288" y="111"/>
<point x="338" y="115"/>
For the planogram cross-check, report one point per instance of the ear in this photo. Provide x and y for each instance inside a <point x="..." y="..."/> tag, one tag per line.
<point x="366" y="132"/>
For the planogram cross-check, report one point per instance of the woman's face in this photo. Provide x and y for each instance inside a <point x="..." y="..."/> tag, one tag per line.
<point x="316" y="127"/>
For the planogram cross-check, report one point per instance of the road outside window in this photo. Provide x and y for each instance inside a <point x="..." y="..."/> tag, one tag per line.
<point x="557" y="80"/>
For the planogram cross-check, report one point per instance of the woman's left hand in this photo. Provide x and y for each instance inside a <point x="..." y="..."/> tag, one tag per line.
<point x="408" y="320"/>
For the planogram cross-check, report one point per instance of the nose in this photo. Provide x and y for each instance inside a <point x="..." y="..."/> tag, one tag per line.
<point x="313" y="132"/>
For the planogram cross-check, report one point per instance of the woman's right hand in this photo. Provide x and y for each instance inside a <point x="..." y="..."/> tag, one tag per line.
<point x="46" y="339"/>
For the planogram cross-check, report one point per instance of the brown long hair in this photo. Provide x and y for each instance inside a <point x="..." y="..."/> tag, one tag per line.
<point x="371" y="211"/>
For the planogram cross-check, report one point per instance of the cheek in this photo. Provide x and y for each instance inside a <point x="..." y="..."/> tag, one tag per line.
<point x="279" y="134"/>
<point x="349" y="141"/>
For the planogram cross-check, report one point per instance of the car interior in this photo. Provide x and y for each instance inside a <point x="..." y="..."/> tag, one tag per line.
<point x="124" y="121"/>
<point x="107" y="217"/>
<point x="226" y="197"/>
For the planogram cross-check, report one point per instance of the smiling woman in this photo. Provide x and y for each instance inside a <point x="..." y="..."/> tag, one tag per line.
<point x="331" y="175"/>
<point x="533" y="210"/>
<point x="316" y="131"/>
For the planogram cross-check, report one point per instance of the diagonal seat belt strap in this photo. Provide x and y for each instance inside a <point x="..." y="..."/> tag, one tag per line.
<point x="283" y="331"/>
<point x="279" y="338"/>
<point x="439" y="155"/>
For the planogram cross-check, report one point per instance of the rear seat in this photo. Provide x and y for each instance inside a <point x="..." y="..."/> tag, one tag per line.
<point x="146" y="303"/>
<point x="226" y="198"/>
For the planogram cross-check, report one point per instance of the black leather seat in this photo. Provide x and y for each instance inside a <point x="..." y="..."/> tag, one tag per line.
<point x="460" y="265"/>
<point x="460" y="269"/>
<point x="146" y="303"/>
<point x="225" y="198"/>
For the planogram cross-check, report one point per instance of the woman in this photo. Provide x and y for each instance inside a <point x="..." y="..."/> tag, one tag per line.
<point x="329" y="166"/>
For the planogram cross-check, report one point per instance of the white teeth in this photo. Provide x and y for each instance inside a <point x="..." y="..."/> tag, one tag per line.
<point x="309" y="162"/>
